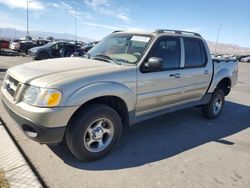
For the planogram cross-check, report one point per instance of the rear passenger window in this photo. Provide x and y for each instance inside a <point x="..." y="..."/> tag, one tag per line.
<point x="194" y="53"/>
<point x="168" y="49"/>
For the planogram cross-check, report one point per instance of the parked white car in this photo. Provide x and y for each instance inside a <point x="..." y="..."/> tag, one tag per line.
<point x="246" y="59"/>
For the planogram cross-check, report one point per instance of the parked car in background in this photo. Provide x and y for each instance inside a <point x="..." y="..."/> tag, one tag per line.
<point x="15" y="45"/>
<point x="87" y="46"/>
<point x="4" y="44"/>
<point x="26" y="45"/>
<point x="55" y="50"/>
<point x="128" y="77"/>
<point x="50" y="39"/>
<point x="241" y="57"/>
<point x="246" y="59"/>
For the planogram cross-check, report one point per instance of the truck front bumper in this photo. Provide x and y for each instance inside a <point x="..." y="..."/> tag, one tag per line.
<point x="37" y="132"/>
<point x="44" y="125"/>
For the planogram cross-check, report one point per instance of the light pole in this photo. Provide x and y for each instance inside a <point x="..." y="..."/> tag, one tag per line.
<point x="15" y="33"/>
<point x="217" y="38"/>
<point x="75" y="25"/>
<point x="27" y="18"/>
<point x="28" y="1"/>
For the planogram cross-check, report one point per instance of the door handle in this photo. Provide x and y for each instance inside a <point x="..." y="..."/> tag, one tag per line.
<point x="206" y="72"/>
<point x="176" y="75"/>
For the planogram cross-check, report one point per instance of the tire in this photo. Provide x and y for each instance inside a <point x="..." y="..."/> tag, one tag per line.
<point x="43" y="55"/>
<point x="86" y="136"/>
<point x="215" y="106"/>
<point x="68" y="53"/>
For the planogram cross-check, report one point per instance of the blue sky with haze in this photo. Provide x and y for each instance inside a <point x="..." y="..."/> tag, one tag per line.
<point x="97" y="18"/>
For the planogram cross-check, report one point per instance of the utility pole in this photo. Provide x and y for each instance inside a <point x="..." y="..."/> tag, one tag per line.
<point x="15" y="33"/>
<point x="217" y="38"/>
<point x="75" y="25"/>
<point x="27" y="18"/>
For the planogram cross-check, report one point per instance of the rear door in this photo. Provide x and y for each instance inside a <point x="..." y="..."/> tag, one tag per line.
<point x="55" y="49"/>
<point x="197" y="71"/>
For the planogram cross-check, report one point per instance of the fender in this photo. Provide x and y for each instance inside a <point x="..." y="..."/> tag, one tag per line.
<point x="221" y="74"/>
<point x="101" y="89"/>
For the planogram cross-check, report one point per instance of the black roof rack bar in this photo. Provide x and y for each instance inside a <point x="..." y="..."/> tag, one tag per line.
<point x="176" y="31"/>
<point x="117" y="31"/>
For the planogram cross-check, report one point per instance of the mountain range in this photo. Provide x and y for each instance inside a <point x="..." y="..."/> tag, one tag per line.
<point x="10" y="33"/>
<point x="227" y="48"/>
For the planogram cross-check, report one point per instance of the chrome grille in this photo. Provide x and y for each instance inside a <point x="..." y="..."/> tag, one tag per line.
<point x="11" y="85"/>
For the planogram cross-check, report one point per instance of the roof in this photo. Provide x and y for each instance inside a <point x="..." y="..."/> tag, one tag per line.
<point x="160" y="31"/>
<point x="134" y="32"/>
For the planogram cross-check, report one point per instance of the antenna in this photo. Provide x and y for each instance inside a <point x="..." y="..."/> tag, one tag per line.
<point x="217" y="38"/>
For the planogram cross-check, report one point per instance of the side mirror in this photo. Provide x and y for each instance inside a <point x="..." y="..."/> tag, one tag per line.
<point x="153" y="63"/>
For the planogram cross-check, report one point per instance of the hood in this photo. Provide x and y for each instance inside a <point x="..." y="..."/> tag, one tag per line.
<point x="36" y="48"/>
<point x="42" y="73"/>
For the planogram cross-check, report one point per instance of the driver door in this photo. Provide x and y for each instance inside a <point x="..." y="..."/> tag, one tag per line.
<point x="161" y="88"/>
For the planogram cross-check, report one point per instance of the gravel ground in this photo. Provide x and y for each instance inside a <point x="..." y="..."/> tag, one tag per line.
<point x="3" y="181"/>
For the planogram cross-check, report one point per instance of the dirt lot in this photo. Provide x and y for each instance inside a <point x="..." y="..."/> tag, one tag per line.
<point x="3" y="181"/>
<point x="180" y="149"/>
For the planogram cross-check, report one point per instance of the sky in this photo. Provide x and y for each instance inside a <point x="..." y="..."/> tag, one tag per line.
<point x="97" y="18"/>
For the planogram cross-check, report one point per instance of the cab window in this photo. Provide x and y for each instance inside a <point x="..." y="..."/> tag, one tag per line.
<point x="194" y="53"/>
<point x="168" y="49"/>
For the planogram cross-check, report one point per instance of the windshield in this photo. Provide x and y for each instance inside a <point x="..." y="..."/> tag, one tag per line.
<point x="48" y="44"/>
<point x="123" y="48"/>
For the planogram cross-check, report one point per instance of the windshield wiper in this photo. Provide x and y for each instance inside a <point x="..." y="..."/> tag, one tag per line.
<point x="107" y="58"/>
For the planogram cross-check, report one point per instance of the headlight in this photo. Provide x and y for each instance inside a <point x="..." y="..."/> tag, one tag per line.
<point x="42" y="97"/>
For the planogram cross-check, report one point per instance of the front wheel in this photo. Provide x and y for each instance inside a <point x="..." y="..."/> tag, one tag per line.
<point x="94" y="132"/>
<point x="43" y="55"/>
<point x="213" y="109"/>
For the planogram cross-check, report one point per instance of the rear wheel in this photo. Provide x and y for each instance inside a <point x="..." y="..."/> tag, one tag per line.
<point x="213" y="109"/>
<point x="94" y="132"/>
